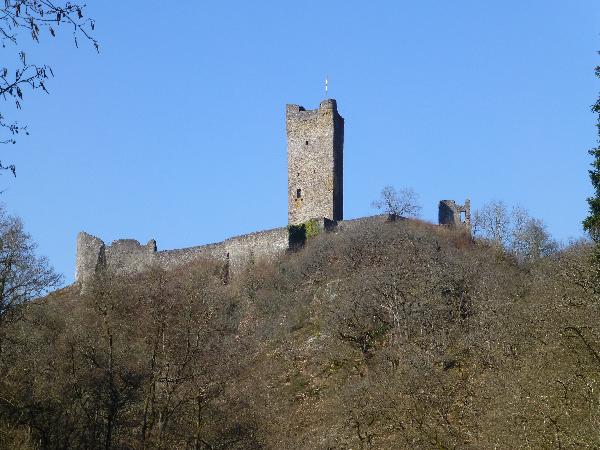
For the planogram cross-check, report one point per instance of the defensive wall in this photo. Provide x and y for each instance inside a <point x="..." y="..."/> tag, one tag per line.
<point x="129" y="256"/>
<point x="315" y="145"/>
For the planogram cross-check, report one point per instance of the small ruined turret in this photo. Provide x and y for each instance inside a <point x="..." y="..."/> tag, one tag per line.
<point x="452" y="214"/>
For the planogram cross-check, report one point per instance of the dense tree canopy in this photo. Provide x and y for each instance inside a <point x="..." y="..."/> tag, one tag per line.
<point x="592" y="223"/>
<point x="395" y="334"/>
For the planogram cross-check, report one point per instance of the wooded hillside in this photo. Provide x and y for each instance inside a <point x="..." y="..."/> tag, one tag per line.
<point x="396" y="335"/>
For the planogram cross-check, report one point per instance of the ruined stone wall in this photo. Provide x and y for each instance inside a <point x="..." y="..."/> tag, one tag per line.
<point x="315" y="141"/>
<point x="262" y="245"/>
<point x="129" y="256"/>
<point x="124" y="254"/>
<point x="171" y="259"/>
<point x="450" y="214"/>
<point x="237" y="251"/>
<point x="90" y="256"/>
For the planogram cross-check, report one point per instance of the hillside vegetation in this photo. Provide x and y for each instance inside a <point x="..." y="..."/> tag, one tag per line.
<point x="392" y="335"/>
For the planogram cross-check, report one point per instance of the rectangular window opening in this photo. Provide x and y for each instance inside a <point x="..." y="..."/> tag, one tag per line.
<point x="298" y="193"/>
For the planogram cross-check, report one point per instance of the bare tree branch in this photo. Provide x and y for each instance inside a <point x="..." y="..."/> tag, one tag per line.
<point x="19" y="18"/>
<point x="398" y="204"/>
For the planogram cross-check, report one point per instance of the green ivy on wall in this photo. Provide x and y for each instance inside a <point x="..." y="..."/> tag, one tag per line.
<point x="299" y="234"/>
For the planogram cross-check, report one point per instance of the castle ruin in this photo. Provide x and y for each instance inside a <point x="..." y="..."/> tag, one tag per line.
<point x="455" y="215"/>
<point x="315" y="148"/>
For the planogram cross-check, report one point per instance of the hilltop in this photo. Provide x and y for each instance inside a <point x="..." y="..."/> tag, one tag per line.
<point x="389" y="335"/>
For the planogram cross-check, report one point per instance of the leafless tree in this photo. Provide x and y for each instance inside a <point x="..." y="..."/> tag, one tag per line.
<point x="514" y="230"/>
<point x="398" y="204"/>
<point x="492" y="222"/>
<point x="530" y="239"/>
<point x="23" y="275"/>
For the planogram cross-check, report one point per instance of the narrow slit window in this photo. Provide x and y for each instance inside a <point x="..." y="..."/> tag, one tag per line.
<point x="306" y="142"/>
<point x="298" y="193"/>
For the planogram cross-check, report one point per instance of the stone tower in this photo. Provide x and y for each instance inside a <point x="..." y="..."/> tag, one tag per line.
<point x="315" y="140"/>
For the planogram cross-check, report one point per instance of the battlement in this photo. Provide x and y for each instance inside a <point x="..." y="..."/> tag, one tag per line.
<point x="292" y="109"/>
<point x="300" y="111"/>
<point x="329" y="103"/>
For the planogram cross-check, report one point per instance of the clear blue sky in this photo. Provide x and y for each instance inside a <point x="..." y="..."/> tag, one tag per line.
<point x="175" y="131"/>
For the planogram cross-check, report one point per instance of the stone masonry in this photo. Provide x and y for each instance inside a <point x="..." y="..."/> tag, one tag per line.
<point x="315" y="140"/>
<point x="91" y="256"/>
<point x="451" y="214"/>
<point x="129" y="256"/>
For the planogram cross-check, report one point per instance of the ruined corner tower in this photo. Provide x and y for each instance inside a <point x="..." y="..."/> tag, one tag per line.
<point x="315" y="141"/>
<point x="454" y="215"/>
